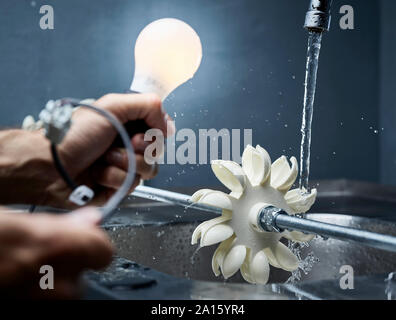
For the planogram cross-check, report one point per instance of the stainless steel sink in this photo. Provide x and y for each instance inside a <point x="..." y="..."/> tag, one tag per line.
<point x="158" y="236"/>
<point x="167" y="248"/>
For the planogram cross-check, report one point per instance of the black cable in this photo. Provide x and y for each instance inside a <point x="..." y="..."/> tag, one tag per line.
<point x="61" y="169"/>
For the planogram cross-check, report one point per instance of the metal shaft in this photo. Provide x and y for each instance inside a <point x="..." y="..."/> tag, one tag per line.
<point x="173" y="198"/>
<point x="371" y="239"/>
<point x="276" y="220"/>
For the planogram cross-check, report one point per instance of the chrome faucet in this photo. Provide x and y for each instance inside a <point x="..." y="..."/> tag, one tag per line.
<point x="318" y="16"/>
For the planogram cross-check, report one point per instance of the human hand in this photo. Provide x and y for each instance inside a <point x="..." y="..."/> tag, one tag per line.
<point x="87" y="152"/>
<point x="69" y="244"/>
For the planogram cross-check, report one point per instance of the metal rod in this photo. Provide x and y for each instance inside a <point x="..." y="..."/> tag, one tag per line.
<point x="172" y="197"/>
<point x="367" y="238"/>
<point x="272" y="220"/>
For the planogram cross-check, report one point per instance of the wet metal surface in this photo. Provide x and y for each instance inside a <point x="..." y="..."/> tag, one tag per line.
<point x="158" y="236"/>
<point x="167" y="248"/>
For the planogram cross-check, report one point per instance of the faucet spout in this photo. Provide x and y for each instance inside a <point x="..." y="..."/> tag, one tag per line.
<point x="318" y="16"/>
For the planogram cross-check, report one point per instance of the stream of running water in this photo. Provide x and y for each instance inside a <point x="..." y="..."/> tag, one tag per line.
<point x="314" y="43"/>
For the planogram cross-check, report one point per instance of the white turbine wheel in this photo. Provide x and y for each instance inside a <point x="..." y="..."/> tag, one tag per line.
<point x="254" y="185"/>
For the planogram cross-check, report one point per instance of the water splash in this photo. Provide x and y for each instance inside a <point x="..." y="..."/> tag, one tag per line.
<point x="390" y="290"/>
<point x="305" y="264"/>
<point x="160" y="233"/>
<point x="192" y="258"/>
<point x="314" y="43"/>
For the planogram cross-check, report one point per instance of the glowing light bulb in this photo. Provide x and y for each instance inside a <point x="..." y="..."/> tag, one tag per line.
<point x="168" y="52"/>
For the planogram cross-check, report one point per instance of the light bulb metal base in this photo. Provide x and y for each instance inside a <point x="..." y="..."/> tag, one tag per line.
<point x="148" y="85"/>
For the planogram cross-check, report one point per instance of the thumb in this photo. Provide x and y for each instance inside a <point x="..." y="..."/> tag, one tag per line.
<point x="130" y="107"/>
<point x="86" y="216"/>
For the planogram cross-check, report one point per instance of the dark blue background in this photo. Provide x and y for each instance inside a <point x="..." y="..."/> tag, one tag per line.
<point x="251" y="75"/>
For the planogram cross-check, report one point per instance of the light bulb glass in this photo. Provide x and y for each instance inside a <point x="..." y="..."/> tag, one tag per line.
<point x="168" y="52"/>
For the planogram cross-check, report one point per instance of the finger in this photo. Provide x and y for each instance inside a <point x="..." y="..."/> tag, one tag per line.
<point x="129" y="107"/>
<point x="136" y="182"/>
<point x="65" y="243"/>
<point x="87" y="215"/>
<point x="138" y="143"/>
<point x="70" y="245"/>
<point x="113" y="176"/>
<point x="102" y="195"/>
<point x="117" y="157"/>
<point x="145" y="170"/>
<point x="110" y="176"/>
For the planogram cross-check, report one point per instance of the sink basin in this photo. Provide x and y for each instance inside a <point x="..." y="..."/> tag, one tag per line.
<point x="157" y="237"/>
<point x="167" y="248"/>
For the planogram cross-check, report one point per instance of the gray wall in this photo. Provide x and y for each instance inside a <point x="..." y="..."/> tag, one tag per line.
<point x="388" y="92"/>
<point x="251" y="75"/>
